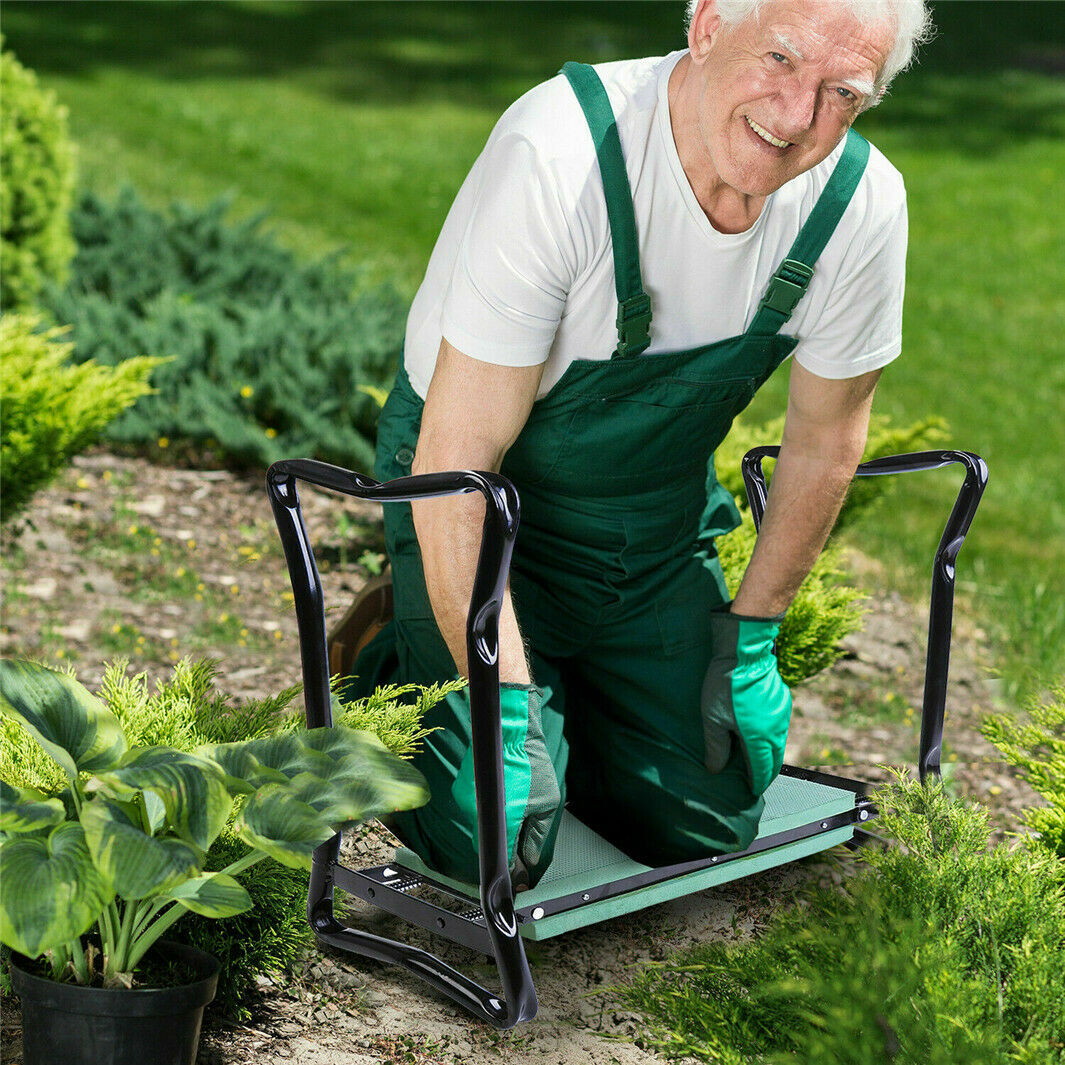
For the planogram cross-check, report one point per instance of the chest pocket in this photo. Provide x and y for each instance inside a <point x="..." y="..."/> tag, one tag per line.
<point x="636" y="440"/>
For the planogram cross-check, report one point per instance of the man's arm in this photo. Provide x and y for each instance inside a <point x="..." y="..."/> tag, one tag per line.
<point x="473" y="412"/>
<point x="824" y="437"/>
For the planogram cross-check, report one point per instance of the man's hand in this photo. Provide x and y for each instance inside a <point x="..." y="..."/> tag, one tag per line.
<point x="824" y="437"/>
<point x="473" y="412"/>
<point x="744" y="700"/>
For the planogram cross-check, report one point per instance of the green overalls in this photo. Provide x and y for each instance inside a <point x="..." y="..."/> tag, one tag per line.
<point x="613" y="576"/>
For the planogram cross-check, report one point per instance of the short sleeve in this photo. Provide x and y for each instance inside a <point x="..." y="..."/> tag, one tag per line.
<point x="860" y="328"/>
<point x="515" y="263"/>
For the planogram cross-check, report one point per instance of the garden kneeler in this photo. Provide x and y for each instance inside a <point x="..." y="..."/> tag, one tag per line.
<point x="588" y="880"/>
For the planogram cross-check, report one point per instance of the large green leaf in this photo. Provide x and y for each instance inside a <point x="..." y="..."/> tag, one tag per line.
<point x="381" y="781"/>
<point x="192" y="789"/>
<point x="68" y="721"/>
<point x="211" y="895"/>
<point x="285" y="828"/>
<point x="28" y="810"/>
<point x="50" y="891"/>
<point x="267" y="760"/>
<point x="137" y="864"/>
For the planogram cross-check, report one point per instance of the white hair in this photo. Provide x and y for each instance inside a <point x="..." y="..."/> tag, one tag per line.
<point x="912" y="20"/>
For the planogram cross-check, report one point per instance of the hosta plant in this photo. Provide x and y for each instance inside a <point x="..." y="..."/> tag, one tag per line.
<point x="121" y="844"/>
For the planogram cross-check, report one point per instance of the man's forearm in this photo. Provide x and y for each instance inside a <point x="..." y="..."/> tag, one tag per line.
<point x="449" y="535"/>
<point x="805" y="497"/>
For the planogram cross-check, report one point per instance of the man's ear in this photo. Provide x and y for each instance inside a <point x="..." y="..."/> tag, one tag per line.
<point x="704" y="25"/>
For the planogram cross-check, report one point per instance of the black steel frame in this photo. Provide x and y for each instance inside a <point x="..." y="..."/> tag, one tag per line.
<point x="491" y="923"/>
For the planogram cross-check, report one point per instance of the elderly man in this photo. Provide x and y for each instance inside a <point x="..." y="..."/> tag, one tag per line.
<point x="638" y="247"/>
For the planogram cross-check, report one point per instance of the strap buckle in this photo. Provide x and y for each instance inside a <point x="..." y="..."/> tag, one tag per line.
<point x="634" y="324"/>
<point x="787" y="287"/>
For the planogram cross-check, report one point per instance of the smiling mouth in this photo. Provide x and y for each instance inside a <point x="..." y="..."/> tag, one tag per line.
<point x="766" y="135"/>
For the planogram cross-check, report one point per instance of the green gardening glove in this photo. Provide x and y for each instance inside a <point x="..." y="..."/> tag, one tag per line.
<point x="744" y="700"/>
<point x="534" y="799"/>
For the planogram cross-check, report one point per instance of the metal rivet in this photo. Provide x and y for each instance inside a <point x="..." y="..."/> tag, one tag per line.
<point x="824" y="824"/>
<point x="864" y="815"/>
<point x="586" y="896"/>
<point x="538" y="913"/>
<point x="440" y="922"/>
<point x="713" y="859"/>
<point x="370" y="892"/>
<point x="404" y="456"/>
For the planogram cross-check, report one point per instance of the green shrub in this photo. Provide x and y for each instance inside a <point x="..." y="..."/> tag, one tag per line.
<point x="1037" y="748"/>
<point x="825" y="608"/>
<point x="38" y="186"/>
<point x="271" y="357"/>
<point x="941" y="950"/>
<point x="884" y="439"/>
<point x="52" y="410"/>
<point x="183" y="712"/>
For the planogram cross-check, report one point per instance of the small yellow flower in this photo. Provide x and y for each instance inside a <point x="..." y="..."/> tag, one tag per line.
<point x="163" y="442"/>
<point x="288" y="597"/>
<point x="140" y="639"/>
<point x="157" y="541"/>
<point x="179" y="572"/>
<point x="825" y="752"/>
<point x="198" y="597"/>
<point x="242" y="643"/>
<point x="271" y="433"/>
<point x="235" y="589"/>
<point x="200" y="586"/>
<point x="223" y="618"/>
<point x="133" y="530"/>
<point x="116" y="628"/>
<point x="244" y="549"/>
<point x="172" y="655"/>
<point x="82" y="482"/>
<point x="246" y="391"/>
<point x="107" y="475"/>
<point x="244" y="632"/>
<point x="995" y="789"/>
<point x="173" y="641"/>
<point x="190" y="544"/>
<point x="155" y="551"/>
<point x="277" y="634"/>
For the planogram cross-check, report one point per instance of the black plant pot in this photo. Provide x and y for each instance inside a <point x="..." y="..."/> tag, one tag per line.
<point x="67" y="1024"/>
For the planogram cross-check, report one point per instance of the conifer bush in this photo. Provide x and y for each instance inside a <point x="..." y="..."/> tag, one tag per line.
<point x="184" y="712"/>
<point x="1035" y="744"/>
<point x="52" y="410"/>
<point x="270" y="357"/>
<point x="942" y="950"/>
<point x="38" y="186"/>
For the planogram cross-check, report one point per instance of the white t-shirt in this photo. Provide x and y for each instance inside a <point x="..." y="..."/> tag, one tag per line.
<point x="523" y="271"/>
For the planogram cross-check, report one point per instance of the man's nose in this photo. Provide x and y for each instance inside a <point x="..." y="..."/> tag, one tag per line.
<point x="798" y="104"/>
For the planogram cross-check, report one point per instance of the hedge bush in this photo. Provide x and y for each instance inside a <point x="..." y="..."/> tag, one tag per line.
<point x="52" y="411"/>
<point x="271" y="357"/>
<point x="38" y="186"/>
<point x="185" y="711"/>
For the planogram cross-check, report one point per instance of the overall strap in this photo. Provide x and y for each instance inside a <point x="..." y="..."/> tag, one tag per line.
<point x="634" y="305"/>
<point x="788" y="284"/>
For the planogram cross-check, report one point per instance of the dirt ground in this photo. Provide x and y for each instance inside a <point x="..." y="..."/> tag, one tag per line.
<point x="123" y="557"/>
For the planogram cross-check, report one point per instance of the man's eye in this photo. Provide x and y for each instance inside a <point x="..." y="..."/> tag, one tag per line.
<point x="846" y="93"/>
<point x="778" y="57"/>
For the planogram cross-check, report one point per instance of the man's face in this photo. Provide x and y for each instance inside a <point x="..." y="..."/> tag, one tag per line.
<point x="779" y="90"/>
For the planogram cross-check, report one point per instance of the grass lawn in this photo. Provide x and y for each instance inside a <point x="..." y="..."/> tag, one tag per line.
<point x="355" y="124"/>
